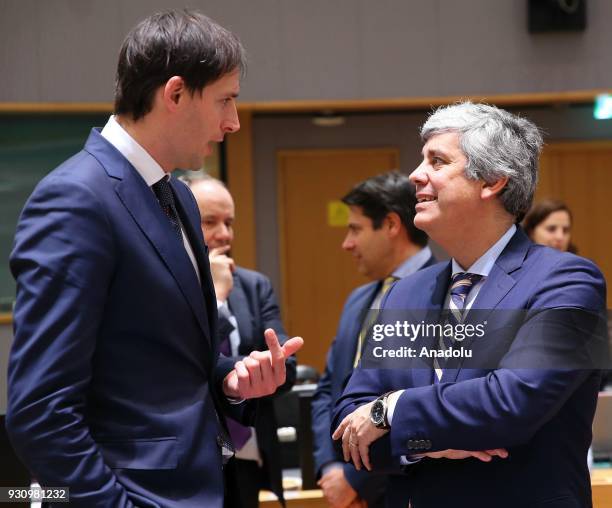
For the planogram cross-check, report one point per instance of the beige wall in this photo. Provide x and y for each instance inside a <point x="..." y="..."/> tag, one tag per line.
<point x="65" y="50"/>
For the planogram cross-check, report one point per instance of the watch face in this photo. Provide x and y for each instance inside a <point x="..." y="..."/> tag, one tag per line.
<point x="378" y="412"/>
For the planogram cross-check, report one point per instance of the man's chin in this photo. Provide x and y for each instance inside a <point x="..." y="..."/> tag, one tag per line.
<point x="422" y="222"/>
<point x="363" y="270"/>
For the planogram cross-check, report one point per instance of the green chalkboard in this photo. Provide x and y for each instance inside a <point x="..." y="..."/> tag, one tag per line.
<point x="30" y="147"/>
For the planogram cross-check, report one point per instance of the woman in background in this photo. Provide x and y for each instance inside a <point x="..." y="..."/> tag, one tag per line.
<point x="549" y="222"/>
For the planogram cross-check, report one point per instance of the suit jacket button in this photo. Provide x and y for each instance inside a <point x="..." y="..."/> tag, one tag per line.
<point x="427" y="444"/>
<point x="411" y="444"/>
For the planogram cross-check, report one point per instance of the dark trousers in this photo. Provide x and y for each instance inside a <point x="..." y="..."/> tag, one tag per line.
<point x="242" y="481"/>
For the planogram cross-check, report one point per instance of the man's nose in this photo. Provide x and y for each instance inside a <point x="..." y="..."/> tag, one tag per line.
<point x="418" y="175"/>
<point x="347" y="243"/>
<point x="223" y="232"/>
<point x="231" y="122"/>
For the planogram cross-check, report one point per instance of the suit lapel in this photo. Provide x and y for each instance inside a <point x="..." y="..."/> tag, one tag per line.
<point x="142" y="205"/>
<point x="239" y="307"/>
<point x="497" y="285"/>
<point x="437" y="287"/>
<point x="196" y="240"/>
<point x="145" y="210"/>
<point x="358" y="313"/>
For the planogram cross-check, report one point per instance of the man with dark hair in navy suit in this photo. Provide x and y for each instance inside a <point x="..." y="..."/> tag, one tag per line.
<point x="386" y="246"/>
<point x="508" y="424"/>
<point x="116" y="388"/>
<point x="247" y="307"/>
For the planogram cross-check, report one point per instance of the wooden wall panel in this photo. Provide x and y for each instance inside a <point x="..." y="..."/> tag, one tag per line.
<point x="317" y="275"/>
<point x="240" y="181"/>
<point x="580" y="174"/>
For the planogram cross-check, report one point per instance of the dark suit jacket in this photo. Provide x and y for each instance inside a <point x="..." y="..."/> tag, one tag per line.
<point x="338" y="369"/>
<point x="255" y="308"/>
<point x="114" y="383"/>
<point x="542" y="415"/>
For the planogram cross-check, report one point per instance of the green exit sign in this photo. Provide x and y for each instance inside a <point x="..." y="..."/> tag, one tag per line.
<point x="603" y="107"/>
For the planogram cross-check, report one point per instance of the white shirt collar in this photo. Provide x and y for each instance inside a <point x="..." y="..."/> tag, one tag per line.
<point x="484" y="264"/>
<point x="147" y="166"/>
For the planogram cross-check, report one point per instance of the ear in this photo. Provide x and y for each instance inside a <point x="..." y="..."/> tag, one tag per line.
<point x="490" y="190"/>
<point x="173" y="91"/>
<point x="394" y="223"/>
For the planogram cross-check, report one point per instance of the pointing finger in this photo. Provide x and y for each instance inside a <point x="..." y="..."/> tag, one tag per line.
<point x="291" y="346"/>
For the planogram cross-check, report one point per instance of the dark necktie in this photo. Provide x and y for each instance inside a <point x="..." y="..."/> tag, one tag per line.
<point x="239" y="434"/>
<point x="163" y="191"/>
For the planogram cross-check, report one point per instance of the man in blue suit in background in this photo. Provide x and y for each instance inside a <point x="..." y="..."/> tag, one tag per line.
<point x="247" y="307"/>
<point x="115" y="386"/>
<point x="386" y="246"/>
<point x="511" y="425"/>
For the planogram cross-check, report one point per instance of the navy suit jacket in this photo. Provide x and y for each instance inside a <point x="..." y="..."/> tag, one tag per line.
<point x="254" y="305"/>
<point x="114" y="382"/>
<point x="338" y="369"/>
<point x="543" y="416"/>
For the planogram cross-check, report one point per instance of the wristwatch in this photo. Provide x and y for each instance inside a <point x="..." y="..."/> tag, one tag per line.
<point x="378" y="412"/>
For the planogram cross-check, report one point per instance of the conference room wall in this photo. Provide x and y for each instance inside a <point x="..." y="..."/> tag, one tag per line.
<point x="65" y="50"/>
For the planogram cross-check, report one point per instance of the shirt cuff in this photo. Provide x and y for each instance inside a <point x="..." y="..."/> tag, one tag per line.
<point x="331" y="465"/>
<point x="406" y="460"/>
<point x="391" y="402"/>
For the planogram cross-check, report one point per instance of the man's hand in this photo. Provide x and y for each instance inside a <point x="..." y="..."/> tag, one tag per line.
<point x="358" y="432"/>
<point x="336" y="490"/>
<point x="221" y="269"/>
<point x="484" y="455"/>
<point x="262" y="372"/>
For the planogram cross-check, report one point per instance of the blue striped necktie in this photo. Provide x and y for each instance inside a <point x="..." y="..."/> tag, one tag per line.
<point x="461" y="284"/>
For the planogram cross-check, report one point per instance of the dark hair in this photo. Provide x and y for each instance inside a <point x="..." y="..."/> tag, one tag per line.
<point x="181" y="43"/>
<point x="540" y="212"/>
<point x="385" y="193"/>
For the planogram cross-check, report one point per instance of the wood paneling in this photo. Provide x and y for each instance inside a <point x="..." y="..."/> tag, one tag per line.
<point x="372" y="104"/>
<point x="317" y="275"/>
<point x="580" y="174"/>
<point x="240" y="181"/>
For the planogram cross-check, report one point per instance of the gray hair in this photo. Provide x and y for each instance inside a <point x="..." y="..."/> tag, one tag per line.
<point x="497" y="144"/>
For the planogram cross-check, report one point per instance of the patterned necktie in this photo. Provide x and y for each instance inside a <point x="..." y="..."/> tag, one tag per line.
<point x="239" y="434"/>
<point x="371" y="316"/>
<point x="165" y="197"/>
<point x="461" y="285"/>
